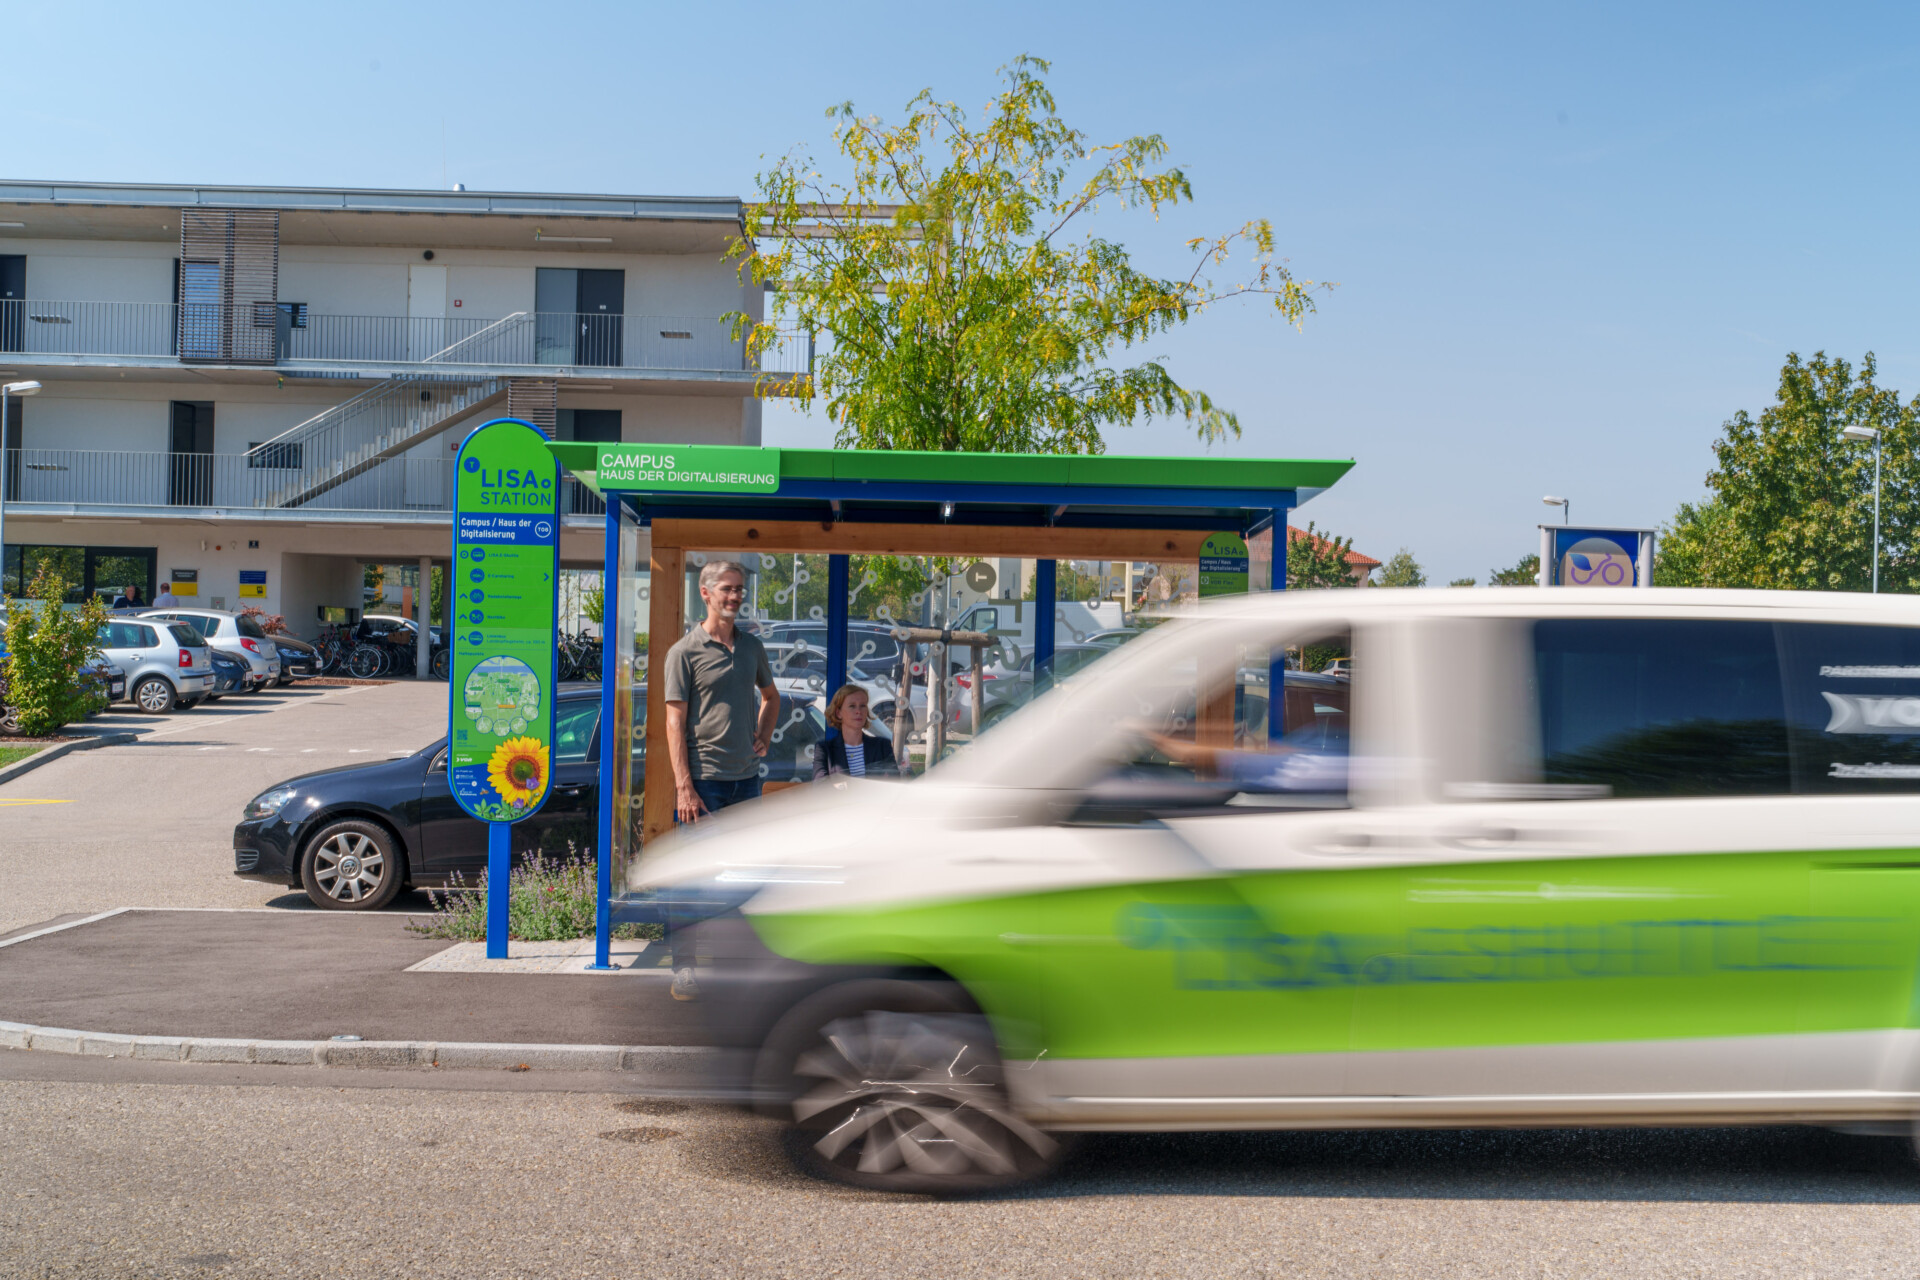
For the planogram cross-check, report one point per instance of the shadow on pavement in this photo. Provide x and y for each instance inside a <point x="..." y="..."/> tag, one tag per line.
<point x="1779" y="1164"/>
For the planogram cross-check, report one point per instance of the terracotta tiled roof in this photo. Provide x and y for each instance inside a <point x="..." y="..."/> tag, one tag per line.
<point x="1354" y="558"/>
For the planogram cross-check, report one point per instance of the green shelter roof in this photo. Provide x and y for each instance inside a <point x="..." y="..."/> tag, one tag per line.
<point x="911" y="467"/>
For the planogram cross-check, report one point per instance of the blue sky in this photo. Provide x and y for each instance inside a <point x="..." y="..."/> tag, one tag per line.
<point x="1569" y="243"/>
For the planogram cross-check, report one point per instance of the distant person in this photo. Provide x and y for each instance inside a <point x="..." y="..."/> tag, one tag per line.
<point x="166" y="599"/>
<point x="721" y="705"/>
<point x="129" y="598"/>
<point x="847" y="749"/>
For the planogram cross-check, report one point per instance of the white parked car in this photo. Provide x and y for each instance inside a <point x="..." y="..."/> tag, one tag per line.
<point x="1553" y="857"/>
<point x="231" y="633"/>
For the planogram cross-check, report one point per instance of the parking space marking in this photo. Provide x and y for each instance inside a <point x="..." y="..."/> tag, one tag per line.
<point x="10" y="803"/>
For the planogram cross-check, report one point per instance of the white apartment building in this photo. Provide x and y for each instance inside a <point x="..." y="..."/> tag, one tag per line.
<point x="252" y="392"/>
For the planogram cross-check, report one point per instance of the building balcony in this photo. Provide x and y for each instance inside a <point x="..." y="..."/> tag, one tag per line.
<point x="105" y="482"/>
<point x="290" y="337"/>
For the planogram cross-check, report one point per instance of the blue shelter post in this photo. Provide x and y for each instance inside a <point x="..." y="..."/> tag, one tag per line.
<point x="1277" y="665"/>
<point x="837" y="610"/>
<point x="610" y="589"/>
<point x="1043" y="605"/>
<point x="499" y="877"/>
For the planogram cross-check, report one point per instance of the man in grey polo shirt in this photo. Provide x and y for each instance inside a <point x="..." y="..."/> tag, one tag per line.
<point x="721" y="708"/>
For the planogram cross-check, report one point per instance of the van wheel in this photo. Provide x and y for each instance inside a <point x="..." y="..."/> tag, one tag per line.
<point x="351" y="866"/>
<point x="898" y="1086"/>
<point x="153" y="696"/>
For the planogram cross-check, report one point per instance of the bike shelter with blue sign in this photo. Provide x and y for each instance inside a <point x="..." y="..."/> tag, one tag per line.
<point x="1587" y="556"/>
<point x="841" y="503"/>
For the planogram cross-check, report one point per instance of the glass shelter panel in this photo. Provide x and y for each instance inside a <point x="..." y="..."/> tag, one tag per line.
<point x="624" y="609"/>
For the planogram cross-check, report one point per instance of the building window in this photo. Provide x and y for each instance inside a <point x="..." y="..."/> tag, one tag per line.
<point x="274" y="457"/>
<point x="89" y="571"/>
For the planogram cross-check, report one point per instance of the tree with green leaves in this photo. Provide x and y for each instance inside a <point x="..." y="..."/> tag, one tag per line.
<point x="1315" y="559"/>
<point x="962" y="302"/>
<point x="1463" y="582"/>
<point x="1402" y="570"/>
<point x="1525" y="573"/>
<point x="1790" y="501"/>
<point x="1070" y="582"/>
<point x="46" y="646"/>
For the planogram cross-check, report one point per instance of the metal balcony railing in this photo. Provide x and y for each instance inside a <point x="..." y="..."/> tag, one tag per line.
<point x="194" y="331"/>
<point x="236" y="482"/>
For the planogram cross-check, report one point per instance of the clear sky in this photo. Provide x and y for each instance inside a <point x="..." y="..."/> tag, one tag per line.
<point x="1569" y="241"/>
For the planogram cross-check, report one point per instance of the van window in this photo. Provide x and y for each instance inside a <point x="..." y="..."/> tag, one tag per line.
<point x="1217" y="735"/>
<point x="1646" y="707"/>
<point x="1853" y="706"/>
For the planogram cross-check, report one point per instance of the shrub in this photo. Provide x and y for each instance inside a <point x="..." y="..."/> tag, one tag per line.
<point x="46" y="647"/>
<point x="550" y="900"/>
<point x="274" y="624"/>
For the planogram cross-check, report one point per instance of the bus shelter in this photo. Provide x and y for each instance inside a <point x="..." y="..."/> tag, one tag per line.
<point x="863" y="520"/>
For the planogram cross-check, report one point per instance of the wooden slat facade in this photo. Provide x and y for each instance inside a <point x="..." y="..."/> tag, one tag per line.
<point x="244" y="246"/>
<point x="535" y="400"/>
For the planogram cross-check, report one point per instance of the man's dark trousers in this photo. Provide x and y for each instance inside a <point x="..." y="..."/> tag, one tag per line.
<point x="716" y="795"/>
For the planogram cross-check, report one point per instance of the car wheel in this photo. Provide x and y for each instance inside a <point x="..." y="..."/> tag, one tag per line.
<point x="898" y="1086"/>
<point x="9" y="719"/>
<point x="153" y="696"/>
<point x="351" y="866"/>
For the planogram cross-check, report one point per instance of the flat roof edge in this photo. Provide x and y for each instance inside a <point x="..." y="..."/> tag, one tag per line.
<point x="370" y="199"/>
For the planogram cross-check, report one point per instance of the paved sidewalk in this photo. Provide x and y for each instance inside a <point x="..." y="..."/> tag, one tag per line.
<point x="283" y="976"/>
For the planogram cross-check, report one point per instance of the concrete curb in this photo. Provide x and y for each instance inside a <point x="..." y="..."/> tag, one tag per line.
<point x="58" y="749"/>
<point x="643" y="1059"/>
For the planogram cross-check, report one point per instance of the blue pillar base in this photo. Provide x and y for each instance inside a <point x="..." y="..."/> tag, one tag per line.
<point x="499" y="877"/>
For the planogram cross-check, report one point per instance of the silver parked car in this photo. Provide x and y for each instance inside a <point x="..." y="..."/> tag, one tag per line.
<point x="231" y="633"/>
<point x="167" y="664"/>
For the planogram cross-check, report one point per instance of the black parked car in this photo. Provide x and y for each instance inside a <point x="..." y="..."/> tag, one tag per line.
<point x="354" y="837"/>
<point x="298" y="659"/>
<point x="230" y="674"/>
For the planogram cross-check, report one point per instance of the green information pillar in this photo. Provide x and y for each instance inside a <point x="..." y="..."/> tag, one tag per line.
<point x="503" y="600"/>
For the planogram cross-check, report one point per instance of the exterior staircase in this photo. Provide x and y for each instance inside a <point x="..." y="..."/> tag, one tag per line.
<point x="382" y="422"/>
<point x="349" y="440"/>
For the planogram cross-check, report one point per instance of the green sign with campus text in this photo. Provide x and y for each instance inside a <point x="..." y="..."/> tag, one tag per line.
<point x="688" y="468"/>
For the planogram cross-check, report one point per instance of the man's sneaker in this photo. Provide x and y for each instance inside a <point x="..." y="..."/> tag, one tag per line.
<point x="684" y="986"/>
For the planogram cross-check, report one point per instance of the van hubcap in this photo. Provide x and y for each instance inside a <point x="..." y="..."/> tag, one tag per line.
<point x="915" y="1094"/>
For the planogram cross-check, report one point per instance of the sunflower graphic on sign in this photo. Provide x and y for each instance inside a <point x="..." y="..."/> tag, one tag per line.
<point x="518" y="771"/>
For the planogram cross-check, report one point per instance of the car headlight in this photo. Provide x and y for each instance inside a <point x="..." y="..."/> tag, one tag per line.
<point x="268" y="803"/>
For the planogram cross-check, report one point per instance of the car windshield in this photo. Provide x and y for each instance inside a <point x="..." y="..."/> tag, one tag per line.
<point x="249" y="628"/>
<point x="183" y="634"/>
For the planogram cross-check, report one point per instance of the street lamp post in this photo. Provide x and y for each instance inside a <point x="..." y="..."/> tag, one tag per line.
<point x="7" y="392"/>
<point x="1871" y="435"/>
<point x="1566" y="507"/>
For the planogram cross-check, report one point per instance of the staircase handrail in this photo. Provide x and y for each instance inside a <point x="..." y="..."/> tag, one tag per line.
<point x="476" y="334"/>
<point x="385" y="386"/>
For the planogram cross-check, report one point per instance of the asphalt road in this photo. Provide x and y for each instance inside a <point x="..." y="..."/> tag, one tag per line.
<point x="366" y="1174"/>
<point x="150" y="824"/>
